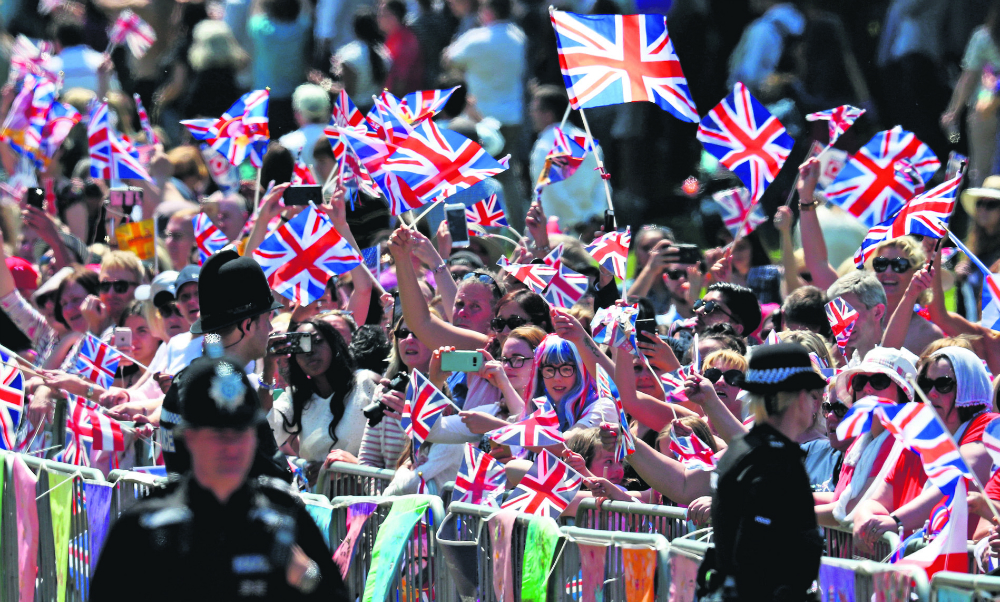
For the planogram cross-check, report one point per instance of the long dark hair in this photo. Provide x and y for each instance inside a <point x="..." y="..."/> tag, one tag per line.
<point x="366" y="30"/>
<point x="340" y="376"/>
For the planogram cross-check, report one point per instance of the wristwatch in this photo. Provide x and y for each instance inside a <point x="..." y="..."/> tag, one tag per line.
<point x="90" y="392"/>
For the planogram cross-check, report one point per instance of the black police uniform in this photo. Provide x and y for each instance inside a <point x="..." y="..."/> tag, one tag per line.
<point x="765" y="531"/>
<point x="186" y="545"/>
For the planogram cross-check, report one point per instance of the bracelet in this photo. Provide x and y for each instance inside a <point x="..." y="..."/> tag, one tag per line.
<point x="444" y="264"/>
<point x="807" y="206"/>
<point x="264" y="385"/>
<point x="899" y="523"/>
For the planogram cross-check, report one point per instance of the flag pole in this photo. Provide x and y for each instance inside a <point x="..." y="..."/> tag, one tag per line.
<point x="256" y="193"/>
<point x="413" y="224"/>
<point x="600" y="164"/>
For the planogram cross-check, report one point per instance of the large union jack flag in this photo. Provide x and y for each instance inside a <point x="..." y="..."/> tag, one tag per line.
<point x="97" y="361"/>
<point x="240" y="133"/>
<point x="747" y="139"/>
<point x="613" y="59"/>
<point x="480" y="479"/>
<point x="208" y="237"/>
<point x="11" y="401"/>
<point x="300" y="257"/>
<point x="131" y="30"/>
<point x="566" y="287"/>
<point x="535" y="276"/>
<point x="875" y="183"/>
<point x="611" y="251"/>
<point x="740" y="214"/>
<point x="111" y="158"/>
<point x="487" y="213"/>
<point x="692" y="452"/>
<point x="842" y="319"/>
<point x="372" y="153"/>
<point x="437" y="163"/>
<point x="539" y="429"/>
<point x="423" y="104"/>
<point x="547" y="489"/>
<point x="423" y="407"/>
<point x="838" y="119"/>
<point x="926" y="214"/>
<point x="564" y="158"/>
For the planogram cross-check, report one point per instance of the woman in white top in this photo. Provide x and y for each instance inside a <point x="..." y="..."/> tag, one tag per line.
<point x="321" y="409"/>
<point x="365" y="61"/>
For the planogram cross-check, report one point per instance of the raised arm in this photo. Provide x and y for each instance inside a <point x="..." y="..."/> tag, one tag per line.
<point x="569" y="328"/>
<point x="813" y="245"/>
<point x="666" y="475"/>
<point x="699" y="390"/>
<point x="783" y="220"/>
<point x="899" y="323"/>
<point x="361" y="296"/>
<point x="269" y="209"/>
<point x="429" y="255"/>
<point x="649" y="411"/>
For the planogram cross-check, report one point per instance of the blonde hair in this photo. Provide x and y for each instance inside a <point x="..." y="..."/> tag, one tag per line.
<point x="963" y="340"/>
<point x="726" y="357"/>
<point x="905" y="245"/>
<point x="532" y="335"/>
<point x="779" y="402"/>
<point x="124" y="260"/>
<point x="811" y="341"/>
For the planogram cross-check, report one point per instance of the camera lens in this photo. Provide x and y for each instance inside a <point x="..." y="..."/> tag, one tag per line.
<point x="374" y="413"/>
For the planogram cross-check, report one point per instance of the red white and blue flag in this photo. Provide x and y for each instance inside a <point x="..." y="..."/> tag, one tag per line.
<point x="877" y="180"/>
<point x="79" y="440"/>
<point x="614" y="59"/>
<point x="539" y="429"/>
<point x="373" y="152"/>
<point x="692" y="452"/>
<point x="566" y="287"/>
<point x="838" y="119"/>
<point x="345" y="115"/>
<point x="920" y="428"/>
<point x="28" y="59"/>
<point x="842" y="319"/>
<point x="991" y="287"/>
<point x="858" y="419"/>
<point x="487" y="213"/>
<point x="423" y="407"/>
<point x="739" y="212"/>
<point x="606" y="389"/>
<point x="565" y="157"/>
<point x="547" y="489"/>
<point x="747" y="139"/>
<point x="302" y="175"/>
<point x="437" y="163"/>
<point x="147" y="127"/>
<point x="97" y="361"/>
<point x="948" y="550"/>
<point x="207" y="236"/>
<point x="112" y="158"/>
<point x="480" y="479"/>
<point x="59" y="122"/>
<point x="386" y="118"/>
<point x="130" y="29"/>
<point x="241" y="133"/>
<point x="301" y="256"/>
<point x="423" y="104"/>
<point x="611" y="251"/>
<point x="11" y="401"/>
<point x="535" y="276"/>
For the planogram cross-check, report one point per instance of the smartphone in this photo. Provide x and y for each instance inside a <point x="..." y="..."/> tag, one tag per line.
<point x="123" y="338"/>
<point x="289" y="343"/>
<point x="461" y="361"/>
<point x="35" y="197"/>
<point x="609" y="221"/>
<point x="458" y="227"/>
<point x="688" y="254"/>
<point x="397" y="308"/>
<point x="645" y="325"/>
<point x="303" y="195"/>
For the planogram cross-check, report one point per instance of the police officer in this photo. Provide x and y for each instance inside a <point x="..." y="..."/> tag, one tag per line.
<point x="767" y="543"/>
<point x="215" y="534"/>
<point x="236" y="304"/>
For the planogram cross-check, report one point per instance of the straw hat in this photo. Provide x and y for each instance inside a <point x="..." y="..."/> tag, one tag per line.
<point x="989" y="190"/>
<point x="214" y="46"/>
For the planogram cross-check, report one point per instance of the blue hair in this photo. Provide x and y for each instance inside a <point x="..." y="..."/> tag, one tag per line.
<point x="554" y="351"/>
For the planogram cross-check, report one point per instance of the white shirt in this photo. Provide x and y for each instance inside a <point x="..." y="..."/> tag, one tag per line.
<point x="301" y="141"/>
<point x="177" y="354"/>
<point x="355" y="56"/>
<point x="79" y="65"/>
<point x="493" y="60"/>
<point x="577" y="198"/>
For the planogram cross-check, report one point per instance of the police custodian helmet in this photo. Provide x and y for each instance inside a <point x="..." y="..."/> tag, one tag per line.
<point x="215" y="393"/>
<point x="231" y="288"/>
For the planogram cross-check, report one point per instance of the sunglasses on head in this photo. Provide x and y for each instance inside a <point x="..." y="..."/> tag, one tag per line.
<point x="714" y="374"/>
<point x="512" y="322"/>
<point x="402" y="333"/>
<point x="120" y="286"/>
<point x="988" y="204"/>
<point x="485" y="279"/>
<point x="676" y="274"/>
<point x="898" y="264"/>
<point x="710" y="308"/>
<point x="168" y="311"/>
<point x="515" y="361"/>
<point x="943" y="384"/>
<point x="879" y="382"/>
<point x="836" y="408"/>
<point x="566" y="370"/>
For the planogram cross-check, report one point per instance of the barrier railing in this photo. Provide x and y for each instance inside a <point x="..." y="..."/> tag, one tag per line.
<point x="892" y="581"/>
<point x="669" y="521"/>
<point x="344" y="479"/>
<point x="956" y="586"/>
<point x="129" y="488"/>
<point x="420" y="573"/>
<point x="568" y="566"/>
<point x="840" y="544"/>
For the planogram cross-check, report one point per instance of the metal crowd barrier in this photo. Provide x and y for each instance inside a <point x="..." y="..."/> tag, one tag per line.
<point x="129" y="488"/>
<point x="568" y="567"/>
<point x="341" y="479"/>
<point x="669" y="521"/>
<point x="865" y="574"/>
<point x="945" y="584"/>
<point x="412" y="583"/>
<point x="840" y="544"/>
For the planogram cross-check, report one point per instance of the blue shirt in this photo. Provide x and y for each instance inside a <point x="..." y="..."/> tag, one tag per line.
<point x="279" y="53"/>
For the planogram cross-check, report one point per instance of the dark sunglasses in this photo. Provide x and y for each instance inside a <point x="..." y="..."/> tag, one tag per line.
<point x="988" y="205"/>
<point x="402" y="333"/>
<point x="485" y="279"/>
<point x="711" y="307"/>
<point x="836" y="408"/>
<point x="566" y="370"/>
<point x="714" y="374"/>
<point x="899" y="264"/>
<point x="944" y="384"/>
<point x="168" y="311"/>
<point x="879" y="382"/>
<point x="516" y="361"/>
<point x="676" y="274"/>
<point x="512" y="322"/>
<point x="120" y="286"/>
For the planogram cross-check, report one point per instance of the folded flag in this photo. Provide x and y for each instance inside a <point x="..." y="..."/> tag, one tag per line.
<point x="692" y="452"/>
<point x="547" y="489"/>
<point x="424" y="405"/>
<point x="948" y="550"/>
<point x="611" y="251"/>
<point x="97" y="361"/>
<point x="606" y="389"/>
<point x="740" y="214"/>
<point x="241" y="133"/>
<point x="564" y="158"/>
<point x="301" y="256"/>
<point x="11" y="400"/>
<point x="838" y="119"/>
<point x="539" y="429"/>
<point x="842" y="319"/>
<point x="207" y="237"/>
<point x="480" y="479"/>
<point x="487" y="213"/>
<point x="131" y="30"/>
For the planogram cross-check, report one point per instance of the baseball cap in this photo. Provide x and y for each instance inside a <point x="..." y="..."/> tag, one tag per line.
<point x="160" y="291"/>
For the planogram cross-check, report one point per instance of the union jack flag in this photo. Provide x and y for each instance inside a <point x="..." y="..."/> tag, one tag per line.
<point x="438" y="163"/>
<point x="79" y="434"/>
<point x="858" y="419"/>
<point x="842" y="319"/>
<point x="130" y="29"/>
<point x="565" y="157"/>
<point x="345" y="115"/>
<point x="240" y="133"/>
<point x="872" y="186"/>
<point x="423" y="104"/>
<point x="566" y="287"/>
<point x="692" y="452"/>
<point x="11" y="401"/>
<point x="606" y="389"/>
<point x="991" y="287"/>
<point x="42" y="99"/>
<point x="386" y="118"/>
<point x="539" y="429"/>
<point x="611" y="251"/>
<point x="208" y="237"/>
<point x="423" y="406"/>
<point x="97" y="361"/>
<point x="147" y="127"/>
<point x="547" y="489"/>
<point x="480" y="479"/>
<point x="106" y="432"/>
<point x="613" y="59"/>
<point x="26" y="58"/>
<point x="740" y="214"/>
<point x="920" y="428"/>
<point x="602" y="325"/>
<point x="747" y="139"/>
<point x="111" y="158"/>
<point x="947" y="551"/>
<point x="838" y="119"/>
<point x="302" y="175"/>
<point x="300" y="257"/>
<point x="554" y="257"/>
<point x="373" y="153"/>
<point x="535" y="276"/>
<point x="926" y="214"/>
<point x="623" y="336"/>
<point x="487" y="213"/>
<point x="59" y="122"/>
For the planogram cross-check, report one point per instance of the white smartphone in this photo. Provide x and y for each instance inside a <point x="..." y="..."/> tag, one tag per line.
<point x="123" y="338"/>
<point x="458" y="227"/>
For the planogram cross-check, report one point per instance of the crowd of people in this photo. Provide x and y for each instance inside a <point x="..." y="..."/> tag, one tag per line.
<point x="701" y="367"/>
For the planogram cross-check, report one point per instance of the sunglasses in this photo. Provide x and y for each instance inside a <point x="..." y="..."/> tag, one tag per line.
<point x="402" y="333"/>
<point x="710" y="308"/>
<point x="988" y="205"/>
<point x="899" y="264"/>
<point x="168" y="311"/>
<point x="879" y="382"/>
<point x="512" y="322"/>
<point x="485" y="279"/>
<point x="944" y="384"/>
<point x="120" y="286"/>
<point x="567" y="370"/>
<point x="836" y="408"/>
<point x="714" y="374"/>
<point x="516" y="361"/>
<point x="676" y="274"/>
